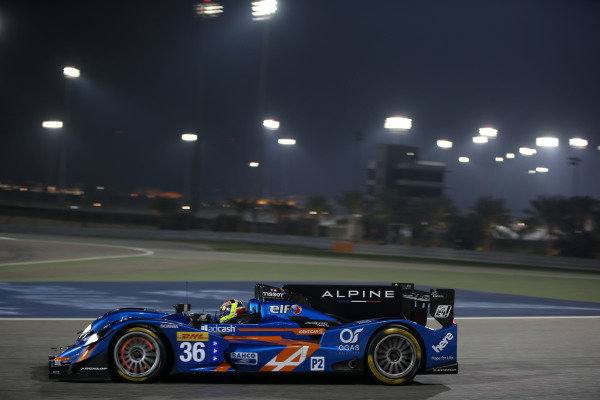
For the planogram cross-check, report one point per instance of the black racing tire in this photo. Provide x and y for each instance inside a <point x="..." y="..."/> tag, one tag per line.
<point x="138" y="355"/>
<point x="393" y="356"/>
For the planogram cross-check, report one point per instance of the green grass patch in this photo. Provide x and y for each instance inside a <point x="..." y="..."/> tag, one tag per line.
<point x="568" y="288"/>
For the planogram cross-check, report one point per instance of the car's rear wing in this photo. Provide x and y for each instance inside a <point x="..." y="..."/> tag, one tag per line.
<point x="357" y="302"/>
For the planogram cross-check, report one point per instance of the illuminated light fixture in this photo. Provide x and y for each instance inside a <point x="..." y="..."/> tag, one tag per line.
<point x="526" y="151"/>
<point x="253" y="164"/>
<point x="271" y="124"/>
<point x="444" y="144"/>
<point x="208" y="9"/>
<point x="52" y="124"/>
<point x="99" y="187"/>
<point x="578" y="143"/>
<point x="546" y="142"/>
<point x="97" y="204"/>
<point x="463" y="159"/>
<point x="488" y="132"/>
<point x="531" y="171"/>
<point x="410" y="154"/>
<point x="189" y="137"/>
<point x="312" y="212"/>
<point x="287" y="142"/>
<point x="480" y="139"/>
<point x="510" y="155"/>
<point x="263" y="9"/>
<point x="71" y="72"/>
<point x="499" y="159"/>
<point x="186" y="207"/>
<point x="398" y="123"/>
<point x="541" y="169"/>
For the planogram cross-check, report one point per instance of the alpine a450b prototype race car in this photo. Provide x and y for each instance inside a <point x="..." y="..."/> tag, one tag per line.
<point x="373" y="329"/>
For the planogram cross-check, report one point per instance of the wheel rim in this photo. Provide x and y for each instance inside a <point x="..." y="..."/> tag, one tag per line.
<point x="395" y="356"/>
<point x="137" y="354"/>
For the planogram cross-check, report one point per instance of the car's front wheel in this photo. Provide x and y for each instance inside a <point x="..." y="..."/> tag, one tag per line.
<point x="393" y="356"/>
<point x="138" y="355"/>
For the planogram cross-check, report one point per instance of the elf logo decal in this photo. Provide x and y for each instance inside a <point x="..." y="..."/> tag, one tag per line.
<point x="442" y="311"/>
<point x="441" y="345"/>
<point x="289" y="358"/>
<point x="284" y="308"/>
<point x="350" y="336"/>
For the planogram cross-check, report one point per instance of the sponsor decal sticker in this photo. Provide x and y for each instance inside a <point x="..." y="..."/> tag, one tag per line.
<point x="310" y="331"/>
<point x="443" y="343"/>
<point x="349" y="335"/>
<point x="358" y="296"/>
<point x="218" y="328"/>
<point x="323" y="324"/>
<point x="442" y="311"/>
<point x="442" y="358"/>
<point x="317" y="363"/>
<point x="192" y="336"/>
<point x="94" y="368"/>
<point x="245" y="358"/>
<point x="289" y="358"/>
<point x="284" y="308"/>
<point x="169" y="326"/>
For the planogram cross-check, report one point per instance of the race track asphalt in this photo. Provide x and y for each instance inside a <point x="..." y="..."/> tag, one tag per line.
<point x="511" y="346"/>
<point x="498" y="358"/>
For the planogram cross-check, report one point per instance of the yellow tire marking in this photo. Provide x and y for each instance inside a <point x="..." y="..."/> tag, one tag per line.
<point x="374" y="369"/>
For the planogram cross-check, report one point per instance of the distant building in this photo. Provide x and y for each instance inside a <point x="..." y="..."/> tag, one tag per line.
<point x="398" y="167"/>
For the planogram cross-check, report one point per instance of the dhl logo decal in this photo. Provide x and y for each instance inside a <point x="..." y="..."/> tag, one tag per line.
<point x="192" y="336"/>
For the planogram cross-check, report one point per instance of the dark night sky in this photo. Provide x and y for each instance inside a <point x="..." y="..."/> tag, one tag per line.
<point x="528" y="68"/>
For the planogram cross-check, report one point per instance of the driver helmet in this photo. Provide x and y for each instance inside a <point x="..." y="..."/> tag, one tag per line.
<point x="230" y="309"/>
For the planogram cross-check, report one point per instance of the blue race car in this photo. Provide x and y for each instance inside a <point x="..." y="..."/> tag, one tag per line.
<point x="373" y="329"/>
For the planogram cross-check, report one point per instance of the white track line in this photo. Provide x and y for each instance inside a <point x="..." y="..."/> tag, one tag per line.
<point x="540" y="317"/>
<point x="143" y="252"/>
<point x="6" y="238"/>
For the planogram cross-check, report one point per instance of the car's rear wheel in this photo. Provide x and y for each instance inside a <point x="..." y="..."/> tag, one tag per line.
<point x="393" y="356"/>
<point x="138" y="355"/>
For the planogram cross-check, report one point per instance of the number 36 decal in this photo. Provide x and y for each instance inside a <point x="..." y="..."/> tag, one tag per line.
<point x="191" y="352"/>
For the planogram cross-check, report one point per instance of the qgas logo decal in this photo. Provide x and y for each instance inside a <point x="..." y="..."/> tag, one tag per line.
<point x="350" y="337"/>
<point x="443" y="343"/>
<point x="284" y="308"/>
<point x="442" y="311"/>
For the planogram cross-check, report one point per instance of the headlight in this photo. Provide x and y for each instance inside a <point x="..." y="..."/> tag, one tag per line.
<point x="85" y="331"/>
<point x="92" y="339"/>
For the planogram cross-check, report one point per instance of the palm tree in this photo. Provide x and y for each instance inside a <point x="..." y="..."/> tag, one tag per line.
<point x="492" y="212"/>
<point x="433" y="215"/>
<point x="241" y="206"/>
<point x="353" y="201"/>
<point x="547" y="212"/>
<point x="317" y="206"/>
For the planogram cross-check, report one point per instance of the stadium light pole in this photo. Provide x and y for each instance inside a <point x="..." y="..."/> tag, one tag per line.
<point x="70" y="73"/>
<point x="286" y="143"/>
<point x="52" y="126"/>
<point x="262" y="10"/>
<point x="398" y="124"/>
<point x="195" y="168"/>
<point x="204" y="10"/>
<point x="578" y="144"/>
